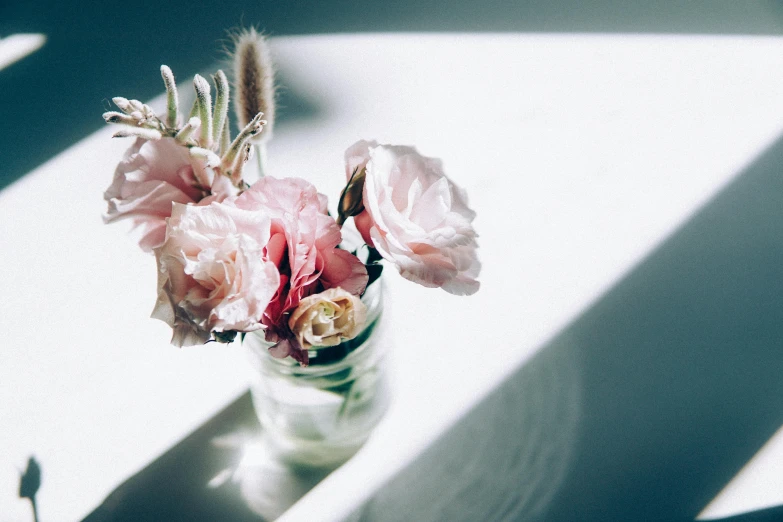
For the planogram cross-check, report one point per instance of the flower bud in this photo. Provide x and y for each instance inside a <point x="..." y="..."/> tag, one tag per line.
<point x="220" y="117"/>
<point x="252" y="129"/>
<point x="136" y="105"/>
<point x="123" y="104"/>
<point x="351" y="203"/>
<point x="235" y="173"/>
<point x="139" y="132"/>
<point x="204" y="100"/>
<point x="225" y="137"/>
<point x="187" y="131"/>
<point x="118" y="117"/>
<point x="172" y="99"/>
<point x="211" y="159"/>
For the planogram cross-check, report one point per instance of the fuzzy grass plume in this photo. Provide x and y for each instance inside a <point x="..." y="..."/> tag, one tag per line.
<point x="254" y="80"/>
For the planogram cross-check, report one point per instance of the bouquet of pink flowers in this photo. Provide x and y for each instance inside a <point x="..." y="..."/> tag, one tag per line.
<point x="236" y="258"/>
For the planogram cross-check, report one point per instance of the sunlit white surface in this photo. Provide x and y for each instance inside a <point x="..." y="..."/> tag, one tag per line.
<point x="580" y="154"/>
<point x="756" y="486"/>
<point x="88" y="382"/>
<point x="15" y="47"/>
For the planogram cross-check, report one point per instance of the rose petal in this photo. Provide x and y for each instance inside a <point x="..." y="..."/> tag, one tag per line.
<point x="343" y="269"/>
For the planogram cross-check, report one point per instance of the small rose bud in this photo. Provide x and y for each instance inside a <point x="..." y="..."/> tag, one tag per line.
<point x="328" y="318"/>
<point x="351" y="203"/>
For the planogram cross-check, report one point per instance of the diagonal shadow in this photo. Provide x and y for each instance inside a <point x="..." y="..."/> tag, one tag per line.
<point x="174" y="486"/>
<point x="646" y="405"/>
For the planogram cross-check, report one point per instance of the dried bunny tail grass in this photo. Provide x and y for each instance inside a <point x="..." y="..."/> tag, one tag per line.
<point x="254" y="80"/>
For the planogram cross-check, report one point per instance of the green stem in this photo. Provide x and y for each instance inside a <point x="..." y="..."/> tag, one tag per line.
<point x="346" y="400"/>
<point x="35" y="508"/>
<point x="261" y="159"/>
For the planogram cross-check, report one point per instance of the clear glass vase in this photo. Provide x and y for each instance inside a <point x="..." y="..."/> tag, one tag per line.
<point x="320" y="415"/>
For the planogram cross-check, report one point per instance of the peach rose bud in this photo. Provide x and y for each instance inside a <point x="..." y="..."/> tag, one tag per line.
<point x="328" y="318"/>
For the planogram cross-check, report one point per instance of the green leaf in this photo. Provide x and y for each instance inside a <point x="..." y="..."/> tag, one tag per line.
<point x="374" y="271"/>
<point x="373" y="256"/>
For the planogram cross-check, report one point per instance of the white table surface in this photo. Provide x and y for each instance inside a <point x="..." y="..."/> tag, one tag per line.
<point x="581" y="153"/>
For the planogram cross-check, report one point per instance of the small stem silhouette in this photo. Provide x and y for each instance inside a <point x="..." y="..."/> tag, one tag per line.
<point x="29" y="483"/>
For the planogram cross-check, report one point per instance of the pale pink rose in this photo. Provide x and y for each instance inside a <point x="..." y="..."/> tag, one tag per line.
<point x="357" y="156"/>
<point x="152" y="175"/>
<point x="416" y="217"/>
<point x="213" y="275"/>
<point x="303" y="244"/>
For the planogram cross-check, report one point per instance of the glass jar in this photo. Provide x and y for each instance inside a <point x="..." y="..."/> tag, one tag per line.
<point x="320" y="415"/>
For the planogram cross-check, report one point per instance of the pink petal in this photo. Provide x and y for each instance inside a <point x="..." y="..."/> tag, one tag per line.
<point x="344" y="270"/>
